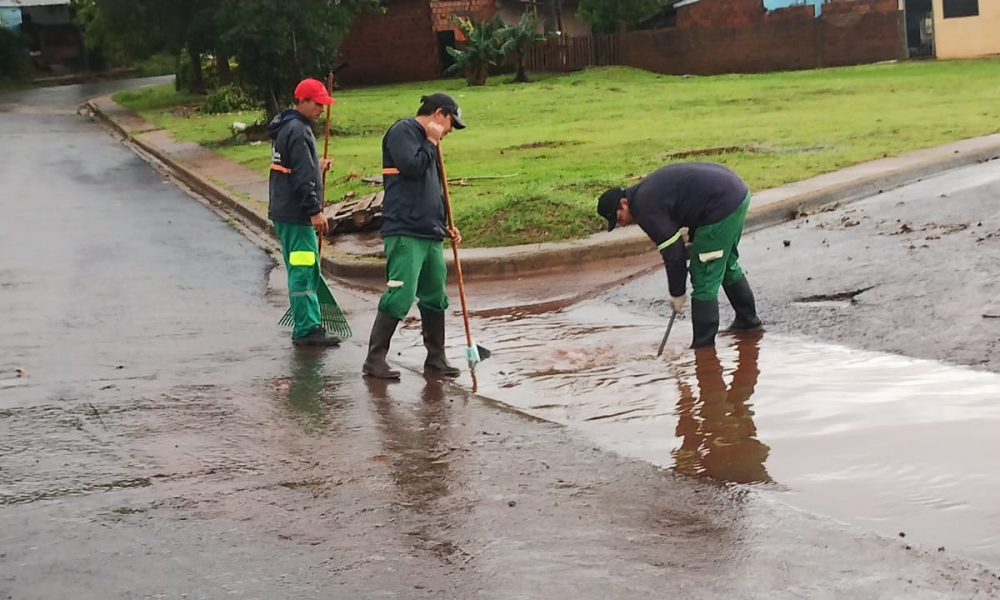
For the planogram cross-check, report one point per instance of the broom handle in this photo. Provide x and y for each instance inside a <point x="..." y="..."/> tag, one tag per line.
<point x="454" y="246"/>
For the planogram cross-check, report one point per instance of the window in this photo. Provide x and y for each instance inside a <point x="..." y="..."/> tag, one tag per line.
<point x="961" y="8"/>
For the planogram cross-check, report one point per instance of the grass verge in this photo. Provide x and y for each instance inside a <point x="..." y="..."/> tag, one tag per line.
<point x="536" y="155"/>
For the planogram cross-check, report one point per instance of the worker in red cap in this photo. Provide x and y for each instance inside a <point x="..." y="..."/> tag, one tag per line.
<point x="295" y="206"/>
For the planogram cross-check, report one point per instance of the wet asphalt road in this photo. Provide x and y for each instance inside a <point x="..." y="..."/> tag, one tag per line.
<point x="160" y="438"/>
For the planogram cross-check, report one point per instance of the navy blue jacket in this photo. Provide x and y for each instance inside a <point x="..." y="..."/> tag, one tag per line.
<point x="295" y="188"/>
<point x="414" y="197"/>
<point x="683" y="195"/>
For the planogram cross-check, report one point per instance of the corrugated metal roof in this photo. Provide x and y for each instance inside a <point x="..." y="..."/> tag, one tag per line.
<point x="27" y="3"/>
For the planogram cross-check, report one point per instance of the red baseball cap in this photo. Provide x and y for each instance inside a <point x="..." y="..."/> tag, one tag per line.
<point x="313" y="89"/>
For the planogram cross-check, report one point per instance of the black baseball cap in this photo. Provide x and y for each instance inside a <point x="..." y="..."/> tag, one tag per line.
<point x="608" y="203"/>
<point x="446" y="103"/>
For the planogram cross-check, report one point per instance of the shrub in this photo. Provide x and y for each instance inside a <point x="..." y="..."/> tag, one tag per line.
<point x="226" y="99"/>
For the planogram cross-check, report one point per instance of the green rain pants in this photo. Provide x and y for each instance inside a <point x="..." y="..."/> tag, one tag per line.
<point x="715" y="256"/>
<point x="300" y="248"/>
<point x="414" y="269"/>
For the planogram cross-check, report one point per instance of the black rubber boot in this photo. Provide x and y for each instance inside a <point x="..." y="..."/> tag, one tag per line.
<point x="705" y="322"/>
<point x="378" y="348"/>
<point x="432" y="323"/>
<point x="741" y="298"/>
<point x="317" y="337"/>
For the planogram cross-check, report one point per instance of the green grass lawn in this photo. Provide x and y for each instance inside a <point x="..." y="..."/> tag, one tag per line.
<point x="558" y="142"/>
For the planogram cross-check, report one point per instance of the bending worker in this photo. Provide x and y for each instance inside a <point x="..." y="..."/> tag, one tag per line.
<point x="712" y="202"/>
<point x="413" y="229"/>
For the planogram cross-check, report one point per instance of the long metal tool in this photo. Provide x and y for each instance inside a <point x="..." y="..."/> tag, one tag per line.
<point x="663" y="342"/>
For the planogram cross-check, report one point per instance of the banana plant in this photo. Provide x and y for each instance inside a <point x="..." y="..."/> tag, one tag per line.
<point x="483" y="48"/>
<point x="519" y="39"/>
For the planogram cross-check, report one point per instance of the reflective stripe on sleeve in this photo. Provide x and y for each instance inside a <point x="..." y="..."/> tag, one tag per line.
<point x="669" y="242"/>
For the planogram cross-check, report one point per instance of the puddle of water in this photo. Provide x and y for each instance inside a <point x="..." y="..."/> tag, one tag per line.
<point x="890" y="443"/>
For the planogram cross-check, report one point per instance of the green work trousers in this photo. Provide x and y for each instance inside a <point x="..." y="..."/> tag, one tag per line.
<point x="715" y="256"/>
<point x="300" y="248"/>
<point x="414" y="269"/>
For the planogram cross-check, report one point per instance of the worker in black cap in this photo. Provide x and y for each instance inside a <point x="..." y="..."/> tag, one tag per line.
<point x="712" y="203"/>
<point x="414" y="224"/>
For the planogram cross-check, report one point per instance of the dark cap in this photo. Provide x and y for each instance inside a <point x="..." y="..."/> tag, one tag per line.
<point x="446" y="103"/>
<point x="608" y="203"/>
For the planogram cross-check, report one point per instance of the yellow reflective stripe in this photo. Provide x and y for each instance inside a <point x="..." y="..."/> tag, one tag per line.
<point x="302" y="258"/>
<point x="667" y="243"/>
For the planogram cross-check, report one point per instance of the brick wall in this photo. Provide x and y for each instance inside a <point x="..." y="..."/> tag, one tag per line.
<point x="444" y="10"/>
<point x="399" y="45"/>
<point x="720" y="14"/>
<point x="738" y="36"/>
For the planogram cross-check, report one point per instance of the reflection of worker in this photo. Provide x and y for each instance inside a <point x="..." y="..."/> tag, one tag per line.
<point x="306" y="387"/>
<point x="417" y="453"/>
<point x="718" y="435"/>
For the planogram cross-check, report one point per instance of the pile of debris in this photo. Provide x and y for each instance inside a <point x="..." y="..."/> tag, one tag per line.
<point x="356" y="215"/>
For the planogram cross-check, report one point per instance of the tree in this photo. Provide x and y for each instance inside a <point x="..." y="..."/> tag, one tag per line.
<point x="604" y="16"/>
<point x="483" y="48"/>
<point x="279" y="42"/>
<point x="136" y="29"/>
<point x="519" y="39"/>
<point x="13" y="54"/>
<point x="275" y="42"/>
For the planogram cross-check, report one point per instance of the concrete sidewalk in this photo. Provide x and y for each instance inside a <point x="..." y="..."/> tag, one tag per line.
<point x="246" y="191"/>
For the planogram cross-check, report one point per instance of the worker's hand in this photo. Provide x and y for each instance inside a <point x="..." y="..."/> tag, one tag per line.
<point x="677" y="303"/>
<point x="434" y="132"/>
<point x="320" y="223"/>
<point x="686" y="237"/>
<point x="455" y="235"/>
<point x="325" y="164"/>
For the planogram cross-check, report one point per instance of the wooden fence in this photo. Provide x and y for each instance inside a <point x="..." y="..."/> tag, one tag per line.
<point x="567" y="53"/>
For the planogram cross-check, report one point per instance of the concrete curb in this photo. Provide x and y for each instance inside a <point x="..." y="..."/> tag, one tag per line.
<point x="769" y="207"/>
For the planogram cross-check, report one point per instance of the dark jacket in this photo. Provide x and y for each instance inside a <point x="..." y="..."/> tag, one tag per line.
<point x="296" y="195"/>
<point x="683" y="195"/>
<point x="414" y="198"/>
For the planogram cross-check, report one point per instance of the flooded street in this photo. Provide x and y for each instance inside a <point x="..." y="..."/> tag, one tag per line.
<point x="890" y="443"/>
<point x="161" y="438"/>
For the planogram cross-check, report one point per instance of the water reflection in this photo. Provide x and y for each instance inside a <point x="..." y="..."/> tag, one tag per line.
<point x="308" y="389"/>
<point x="417" y="451"/>
<point x="715" y="424"/>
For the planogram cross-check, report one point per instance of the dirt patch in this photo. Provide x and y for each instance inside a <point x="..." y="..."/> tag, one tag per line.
<point x="847" y="296"/>
<point x="747" y="149"/>
<point x="542" y="144"/>
<point x="185" y="111"/>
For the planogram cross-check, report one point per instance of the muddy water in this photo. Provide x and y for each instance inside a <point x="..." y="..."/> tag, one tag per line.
<point x="889" y="443"/>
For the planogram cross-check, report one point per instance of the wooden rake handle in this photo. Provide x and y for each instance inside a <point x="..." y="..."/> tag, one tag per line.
<point x="326" y="154"/>
<point x="454" y="245"/>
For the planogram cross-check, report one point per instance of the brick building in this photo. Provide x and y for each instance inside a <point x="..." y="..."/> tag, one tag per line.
<point x="407" y="40"/>
<point x="55" y="42"/>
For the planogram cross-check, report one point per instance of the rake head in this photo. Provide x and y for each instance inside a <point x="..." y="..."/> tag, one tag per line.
<point x="330" y="315"/>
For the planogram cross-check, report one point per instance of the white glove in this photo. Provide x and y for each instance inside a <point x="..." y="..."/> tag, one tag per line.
<point x="678" y="303"/>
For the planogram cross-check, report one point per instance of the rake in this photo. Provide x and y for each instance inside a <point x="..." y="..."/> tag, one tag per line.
<point x="330" y="316"/>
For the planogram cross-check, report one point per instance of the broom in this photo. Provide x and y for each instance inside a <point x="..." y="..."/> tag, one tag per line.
<point x="475" y="353"/>
<point x="330" y="315"/>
